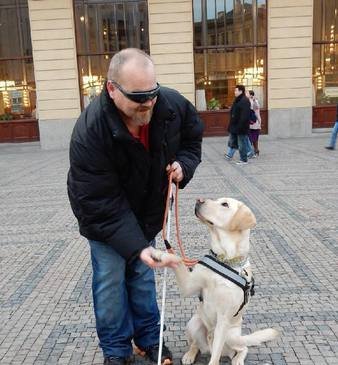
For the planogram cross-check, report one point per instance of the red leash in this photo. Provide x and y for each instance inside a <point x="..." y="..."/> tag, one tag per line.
<point x="169" y="203"/>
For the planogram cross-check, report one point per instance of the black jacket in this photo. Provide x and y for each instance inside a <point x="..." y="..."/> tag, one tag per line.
<point x="116" y="187"/>
<point x="240" y="115"/>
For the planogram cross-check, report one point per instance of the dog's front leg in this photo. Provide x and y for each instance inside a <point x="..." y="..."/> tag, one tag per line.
<point x="187" y="281"/>
<point x="218" y="340"/>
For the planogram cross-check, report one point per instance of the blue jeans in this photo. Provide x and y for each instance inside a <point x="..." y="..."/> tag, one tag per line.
<point x="240" y="142"/>
<point x="125" y="303"/>
<point x="250" y="152"/>
<point x="334" y="133"/>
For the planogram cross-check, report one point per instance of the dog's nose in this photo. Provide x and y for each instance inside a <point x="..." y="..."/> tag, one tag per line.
<point x="198" y="204"/>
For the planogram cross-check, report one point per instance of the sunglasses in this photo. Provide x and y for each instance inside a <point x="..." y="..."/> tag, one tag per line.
<point x="139" y="97"/>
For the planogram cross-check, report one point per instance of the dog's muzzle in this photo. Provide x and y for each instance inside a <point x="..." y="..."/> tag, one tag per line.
<point x="198" y="204"/>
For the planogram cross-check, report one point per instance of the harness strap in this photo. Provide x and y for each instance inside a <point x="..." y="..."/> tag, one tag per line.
<point x="229" y="273"/>
<point x="224" y="270"/>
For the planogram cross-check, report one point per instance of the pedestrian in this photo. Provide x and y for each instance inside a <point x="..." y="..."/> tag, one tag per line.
<point x="255" y="123"/>
<point x="123" y="146"/>
<point x="239" y="126"/>
<point x="333" y="139"/>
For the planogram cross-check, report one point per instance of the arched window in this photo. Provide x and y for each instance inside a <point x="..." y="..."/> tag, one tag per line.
<point x="17" y="83"/>
<point x="230" y="45"/>
<point x="103" y="27"/>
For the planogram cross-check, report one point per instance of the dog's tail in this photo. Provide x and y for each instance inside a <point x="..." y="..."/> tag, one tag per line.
<point x="256" y="338"/>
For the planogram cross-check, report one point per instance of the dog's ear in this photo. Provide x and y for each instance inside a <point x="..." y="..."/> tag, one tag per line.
<point x="243" y="219"/>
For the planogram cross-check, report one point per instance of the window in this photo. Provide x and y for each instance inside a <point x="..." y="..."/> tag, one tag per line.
<point x="229" y="49"/>
<point x="103" y="27"/>
<point x="17" y="83"/>
<point x="325" y="52"/>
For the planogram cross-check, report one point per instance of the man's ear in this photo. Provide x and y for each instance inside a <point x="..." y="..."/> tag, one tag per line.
<point x="243" y="219"/>
<point x="110" y="89"/>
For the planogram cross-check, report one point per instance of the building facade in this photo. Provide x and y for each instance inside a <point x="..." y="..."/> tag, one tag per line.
<point x="54" y="56"/>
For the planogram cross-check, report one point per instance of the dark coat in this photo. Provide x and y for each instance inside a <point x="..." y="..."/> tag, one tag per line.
<point x="116" y="188"/>
<point x="240" y="115"/>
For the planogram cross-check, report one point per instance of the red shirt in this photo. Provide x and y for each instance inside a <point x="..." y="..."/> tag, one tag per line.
<point x="143" y="136"/>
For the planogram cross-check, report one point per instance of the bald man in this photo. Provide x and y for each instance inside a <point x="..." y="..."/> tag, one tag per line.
<point x="122" y="148"/>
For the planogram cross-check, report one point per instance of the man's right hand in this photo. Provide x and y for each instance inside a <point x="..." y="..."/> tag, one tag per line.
<point x="157" y="258"/>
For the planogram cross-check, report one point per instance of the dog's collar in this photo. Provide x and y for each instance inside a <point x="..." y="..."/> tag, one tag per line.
<point x="235" y="262"/>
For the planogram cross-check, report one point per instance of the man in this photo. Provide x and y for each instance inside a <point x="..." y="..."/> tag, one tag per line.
<point x="122" y="148"/>
<point x="239" y="126"/>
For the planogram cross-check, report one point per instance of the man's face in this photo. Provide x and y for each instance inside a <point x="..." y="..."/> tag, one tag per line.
<point x="134" y="78"/>
<point x="237" y="92"/>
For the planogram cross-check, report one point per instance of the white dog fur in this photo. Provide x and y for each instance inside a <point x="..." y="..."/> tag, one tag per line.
<point x="213" y="328"/>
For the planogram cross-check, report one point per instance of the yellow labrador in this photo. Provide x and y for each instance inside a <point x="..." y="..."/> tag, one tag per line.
<point x="215" y="328"/>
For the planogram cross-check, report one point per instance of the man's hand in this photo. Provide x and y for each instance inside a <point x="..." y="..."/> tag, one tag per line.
<point x="157" y="258"/>
<point x="176" y="169"/>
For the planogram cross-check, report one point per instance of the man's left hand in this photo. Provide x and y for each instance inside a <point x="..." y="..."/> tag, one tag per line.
<point x="157" y="258"/>
<point x="177" y="171"/>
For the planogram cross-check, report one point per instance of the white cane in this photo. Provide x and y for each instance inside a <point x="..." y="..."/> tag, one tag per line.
<point x="164" y="287"/>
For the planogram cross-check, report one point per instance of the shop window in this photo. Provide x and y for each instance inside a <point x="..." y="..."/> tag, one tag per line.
<point x="17" y="83"/>
<point x="102" y="29"/>
<point x="229" y="49"/>
<point x="325" y="52"/>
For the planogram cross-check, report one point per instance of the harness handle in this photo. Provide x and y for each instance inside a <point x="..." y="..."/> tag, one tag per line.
<point x="169" y="204"/>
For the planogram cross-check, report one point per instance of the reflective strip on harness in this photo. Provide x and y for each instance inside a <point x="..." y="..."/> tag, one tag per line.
<point x="229" y="273"/>
<point x="224" y="270"/>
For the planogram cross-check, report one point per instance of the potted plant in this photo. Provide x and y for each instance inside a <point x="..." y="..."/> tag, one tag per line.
<point x="213" y="104"/>
<point x="6" y="116"/>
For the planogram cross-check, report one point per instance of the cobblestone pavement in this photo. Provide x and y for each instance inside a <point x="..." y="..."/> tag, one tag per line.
<point x="46" y="311"/>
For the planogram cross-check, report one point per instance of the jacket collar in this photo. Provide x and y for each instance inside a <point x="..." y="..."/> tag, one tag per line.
<point x="112" y="115"/>
<point x="239" y="97"/>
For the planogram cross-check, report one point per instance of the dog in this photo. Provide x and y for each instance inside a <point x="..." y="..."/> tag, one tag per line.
<point x="215" y="328"/>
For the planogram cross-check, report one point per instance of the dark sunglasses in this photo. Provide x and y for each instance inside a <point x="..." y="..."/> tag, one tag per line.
<point x="139" y="97"/>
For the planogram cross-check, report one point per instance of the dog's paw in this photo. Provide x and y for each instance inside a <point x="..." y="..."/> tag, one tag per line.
<point x="237" y="362"/>
<point x="189" y="357"/>
<point x="240" y="357"/>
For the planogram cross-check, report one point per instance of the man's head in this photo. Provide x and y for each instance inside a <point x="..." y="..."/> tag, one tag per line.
<point x="239" y="89"/>
<point x="132" y="85"/>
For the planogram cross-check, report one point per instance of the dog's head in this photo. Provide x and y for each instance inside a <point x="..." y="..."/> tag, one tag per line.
<point x="225" y="213"/>
<point x="229" y="222"/>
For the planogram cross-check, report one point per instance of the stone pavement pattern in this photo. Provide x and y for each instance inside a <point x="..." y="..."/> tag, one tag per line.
<point x="46" y="311"/>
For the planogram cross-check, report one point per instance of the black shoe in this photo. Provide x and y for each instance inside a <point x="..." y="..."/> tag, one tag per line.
<point x="329" y="148"/>
<point x="117" y="360"/>
<point x="151" y="353"/>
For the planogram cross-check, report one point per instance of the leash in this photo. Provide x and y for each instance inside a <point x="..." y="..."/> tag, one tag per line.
<point x="168" y="209"/>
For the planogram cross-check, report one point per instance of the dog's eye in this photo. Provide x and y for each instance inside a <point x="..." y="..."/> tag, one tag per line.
<point x="225" y="204"/>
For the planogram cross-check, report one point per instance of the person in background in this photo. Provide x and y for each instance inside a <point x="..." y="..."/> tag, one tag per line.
<point x="333" y="139"/>
<point x="239" y="126"/>
<point x="255" y="126"/>
<point x="123" y="146"/>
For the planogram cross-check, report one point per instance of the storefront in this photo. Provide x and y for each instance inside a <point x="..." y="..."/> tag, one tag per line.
<point x="325" y="62"/>
<point x="17" y="83"/>
<point x="230" y="48"/>
<point x="54" y="57"/>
